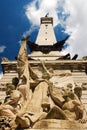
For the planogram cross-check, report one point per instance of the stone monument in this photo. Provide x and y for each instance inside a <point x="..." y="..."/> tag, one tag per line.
<point x="44" y="89"/>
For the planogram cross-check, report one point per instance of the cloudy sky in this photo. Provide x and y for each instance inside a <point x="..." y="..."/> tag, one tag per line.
<point x="19" y="18"/>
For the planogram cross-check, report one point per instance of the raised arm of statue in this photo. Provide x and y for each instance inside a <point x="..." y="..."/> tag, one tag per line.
<point x="44" y="67"/>
<point x="46" y="73"/>
<point x="32" y="74"/>
<point x="24" y="75"/>
<point x="22" y="59"/>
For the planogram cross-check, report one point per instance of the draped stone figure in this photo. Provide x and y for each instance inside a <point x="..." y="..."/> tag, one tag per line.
<point x="22" y="67"/>
<point x="21" y="95"/>
<point x="27" y="106"/>
<point x="51" y="104"/>
<point x="9" y="109"/>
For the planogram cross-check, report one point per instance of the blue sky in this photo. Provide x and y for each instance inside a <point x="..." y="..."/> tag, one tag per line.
<point x="13" y="24"/>
<point x="22" y="17"/>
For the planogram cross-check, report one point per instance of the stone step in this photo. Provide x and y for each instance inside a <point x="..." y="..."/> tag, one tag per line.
<point x="79" y="77"/>
<point x="80" y="81"/>
<point x="78" y="73"/>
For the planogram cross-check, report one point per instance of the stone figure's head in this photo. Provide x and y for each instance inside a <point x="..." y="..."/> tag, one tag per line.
<point x="15" y="81"/>
<point x="78" y="91"/>
<point x="45" y="76"/>
<point x="71" y="95"/>
<point x="0" y="101"/>
<point x="51" y="70"/>
<point x="69" y="87"/>
<point x="9" y="88"/>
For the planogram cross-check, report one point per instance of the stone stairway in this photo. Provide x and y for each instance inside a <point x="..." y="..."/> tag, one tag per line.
<point x="84" y="99"/>
<point x="7" y="78"/>
<point x="80" y="77"/>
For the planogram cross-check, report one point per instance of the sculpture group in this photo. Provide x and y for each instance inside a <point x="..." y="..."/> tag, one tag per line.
<point x="25" y="105"/>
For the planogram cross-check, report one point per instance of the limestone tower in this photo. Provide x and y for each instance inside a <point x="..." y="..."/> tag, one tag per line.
<point x="46" y="46"/>
<point x="46" y="34"/>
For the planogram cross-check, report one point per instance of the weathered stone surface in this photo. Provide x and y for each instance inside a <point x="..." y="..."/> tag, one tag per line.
<point x="58" y="124"/>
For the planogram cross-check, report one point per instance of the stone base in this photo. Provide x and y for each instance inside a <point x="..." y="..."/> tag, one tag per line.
<point x="58" y="125"/>
<point x="53" y="124"/>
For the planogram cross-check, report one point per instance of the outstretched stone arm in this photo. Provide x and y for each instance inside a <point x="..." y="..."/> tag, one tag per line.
<point x="22" y="58"/>
<point x="46" y="73"/>
<point x="32" y="74"/>
<point x="44" y="68"/>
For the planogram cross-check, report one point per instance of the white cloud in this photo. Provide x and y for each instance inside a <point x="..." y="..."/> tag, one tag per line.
<point x="2" y="48"/>
<point x="28" y="32"/>
<point x="44" y="6"/>
<point x="76" y="23"/>
<point x="76" y="26"/>
<point x="1" y="74"/>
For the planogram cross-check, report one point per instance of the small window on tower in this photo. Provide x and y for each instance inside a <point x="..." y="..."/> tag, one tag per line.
<point x="46" y="26"/>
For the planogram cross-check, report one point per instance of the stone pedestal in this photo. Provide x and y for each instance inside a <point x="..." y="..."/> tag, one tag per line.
<point x="54" y="124"/>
